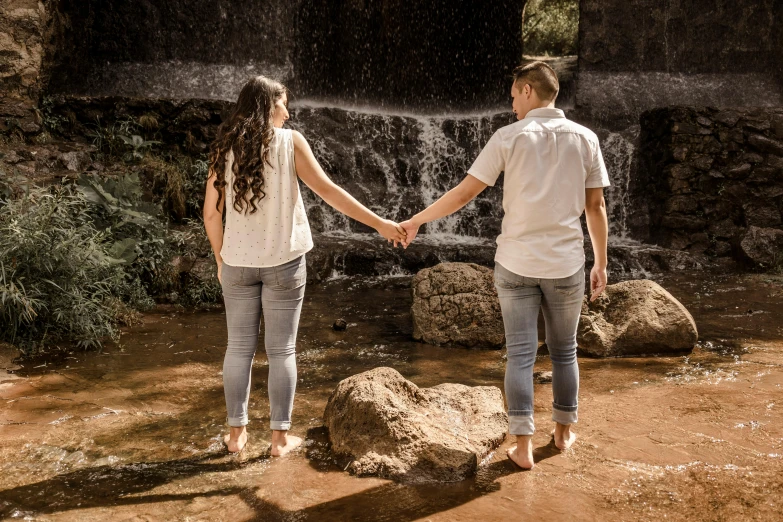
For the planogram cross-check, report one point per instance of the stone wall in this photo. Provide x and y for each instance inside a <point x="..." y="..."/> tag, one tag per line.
<point x="430" y="55"/>
<point x="688" y="36"/>
<point x="635" y="55"/>
<point x="715" y="181"/>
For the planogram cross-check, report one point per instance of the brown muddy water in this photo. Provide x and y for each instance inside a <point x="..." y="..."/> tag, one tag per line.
<point x="133" y="433"/>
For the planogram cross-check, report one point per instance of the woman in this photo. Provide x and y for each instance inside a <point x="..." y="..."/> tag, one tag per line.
<point x="254" y="164"/>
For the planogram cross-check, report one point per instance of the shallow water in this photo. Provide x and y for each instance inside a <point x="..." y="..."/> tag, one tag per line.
<point x="134" y="432"/>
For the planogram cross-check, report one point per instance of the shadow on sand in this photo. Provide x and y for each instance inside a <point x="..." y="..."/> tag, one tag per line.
<point x="106" y="486"/>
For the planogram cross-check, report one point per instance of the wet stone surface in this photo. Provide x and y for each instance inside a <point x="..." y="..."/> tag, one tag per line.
<point x="134" y="432"/>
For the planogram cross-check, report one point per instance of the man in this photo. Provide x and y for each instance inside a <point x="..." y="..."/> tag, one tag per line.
<point x="554" y="171"/>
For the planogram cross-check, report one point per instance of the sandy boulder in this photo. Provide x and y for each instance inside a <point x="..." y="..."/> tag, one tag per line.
<point x="457" y="303"/>
<point x="635" y="318"/>
<point x="391" y="428"/>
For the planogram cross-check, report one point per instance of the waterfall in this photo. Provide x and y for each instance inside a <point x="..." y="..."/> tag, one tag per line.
<point x="619" y="150"/>
<point x="399" y="164"/>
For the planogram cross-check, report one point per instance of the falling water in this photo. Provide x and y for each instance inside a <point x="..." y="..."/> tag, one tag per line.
<point x="619" y="151"/>
<point x="399" y="164"/>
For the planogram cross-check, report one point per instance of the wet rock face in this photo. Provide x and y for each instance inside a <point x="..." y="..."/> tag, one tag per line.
<point x="763" y="246"/>
<point x="699" y="36"/>
<point x="391" y="428"/>
<point x="713" y="175"/>
<point x="439" y="53"/>
<point x="22" y="26"/>
<point x="457" y="303"/>
<point x="635" y="318"/>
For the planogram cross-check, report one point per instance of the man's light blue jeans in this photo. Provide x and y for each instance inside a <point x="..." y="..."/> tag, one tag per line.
<point x="521" y="298"/>
<point x="277" y="292"/>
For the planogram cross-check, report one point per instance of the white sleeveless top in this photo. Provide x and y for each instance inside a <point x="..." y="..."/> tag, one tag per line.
<point x="278" y="232"/>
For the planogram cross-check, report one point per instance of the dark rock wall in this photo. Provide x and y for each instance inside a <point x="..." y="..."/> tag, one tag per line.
<point x="142" y="31"/>
<point x="693" y="36"/>
<point x="426" y="54"/>
<point x="436" y="53"/>
<point x="711" y="175"/>
<point x="635" y="55"/>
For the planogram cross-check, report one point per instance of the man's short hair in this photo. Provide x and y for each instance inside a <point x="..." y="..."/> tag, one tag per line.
<point x="541" y="77"/>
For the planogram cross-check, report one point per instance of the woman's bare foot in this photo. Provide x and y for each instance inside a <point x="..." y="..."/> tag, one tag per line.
<point x="236" y="439"/>
<point x="522" y="453"/>
<point x="283" y="443"/>
<point x="564" y="437"/>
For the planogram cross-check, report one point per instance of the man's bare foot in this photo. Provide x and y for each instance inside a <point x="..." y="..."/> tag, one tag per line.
<point x="283" y="443"/>
<point x="564" y="437"/>
<point x="522" y="453"/>
<point x="236" y="439"/>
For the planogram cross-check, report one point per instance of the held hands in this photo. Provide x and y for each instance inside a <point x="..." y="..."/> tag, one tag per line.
<point x="597" y="282"/>
<point x="411" y="229"/>
<point x="392" y="232"/>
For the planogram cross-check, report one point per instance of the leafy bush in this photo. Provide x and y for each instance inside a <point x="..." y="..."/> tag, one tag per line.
<point x="59" y="277"/>
<point x="550" y="27"/>
<point x="136" y="233"/>
<point x="179" y="182"/>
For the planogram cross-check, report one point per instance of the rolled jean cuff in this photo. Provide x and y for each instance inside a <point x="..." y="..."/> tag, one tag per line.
<point x="564" y="414"/>
<point x="280" y="425"/>
<point x="520" y="424"/>
<point x="237" y="422"/>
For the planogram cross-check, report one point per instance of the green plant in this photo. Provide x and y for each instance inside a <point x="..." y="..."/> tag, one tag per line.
<point x="51" y="120"/>
<point x="59" y="279"/>
<point x="136" y="232"/>
<point x="169" y="178"/>
<point x="550" y="27"/>
<point x="12" y="185"/>
<point x="195" y="186"/>
<point x="120" y="139"/>
<point x="137" y="145"/>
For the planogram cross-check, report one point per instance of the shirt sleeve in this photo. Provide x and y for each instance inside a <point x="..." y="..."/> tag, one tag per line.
<point x="490" y="162"/>
<point x="598" y="176"/>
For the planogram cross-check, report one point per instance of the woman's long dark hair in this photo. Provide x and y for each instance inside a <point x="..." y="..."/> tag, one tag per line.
<point x="248" y="132"/>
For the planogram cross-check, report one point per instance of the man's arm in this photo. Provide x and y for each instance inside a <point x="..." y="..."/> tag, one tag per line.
<point x="450" y="202"/>
<point x="598" y="227"/>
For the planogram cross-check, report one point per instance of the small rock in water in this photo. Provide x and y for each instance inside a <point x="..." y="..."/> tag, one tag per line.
<point x="8" y="353"/>
<point x="51" y="453"/>
<point x="542" y="377"/>
<point x="106" y="461"/>
<point x="340" y="325"/>
<point x="389" y="427"/>
<point x="77" y="457"/>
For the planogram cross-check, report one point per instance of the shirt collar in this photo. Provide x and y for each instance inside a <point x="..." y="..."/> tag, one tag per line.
<point x="545" y="112"/>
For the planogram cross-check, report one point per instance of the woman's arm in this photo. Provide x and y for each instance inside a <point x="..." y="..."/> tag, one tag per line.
<point x="450" y="202"/>
<point x="308" y="169"/>
<point x="213" y="219"/>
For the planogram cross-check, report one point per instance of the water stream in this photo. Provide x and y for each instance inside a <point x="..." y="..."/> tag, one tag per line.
<point x="133" y="432"/>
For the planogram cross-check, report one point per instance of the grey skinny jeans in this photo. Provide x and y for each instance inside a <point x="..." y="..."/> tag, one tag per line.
<point x="277" y="292"/>
<point x="520" y="300"/>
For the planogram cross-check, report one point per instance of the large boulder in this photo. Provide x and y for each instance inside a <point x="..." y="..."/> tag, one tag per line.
<point x="763" y="246"/>
<point x="635" y="318"/>
<point x="391" y="428"/>
<point x="457" y="303"/>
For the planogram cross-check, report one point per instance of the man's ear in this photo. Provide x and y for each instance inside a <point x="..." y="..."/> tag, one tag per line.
<point x="528" y="90"/>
